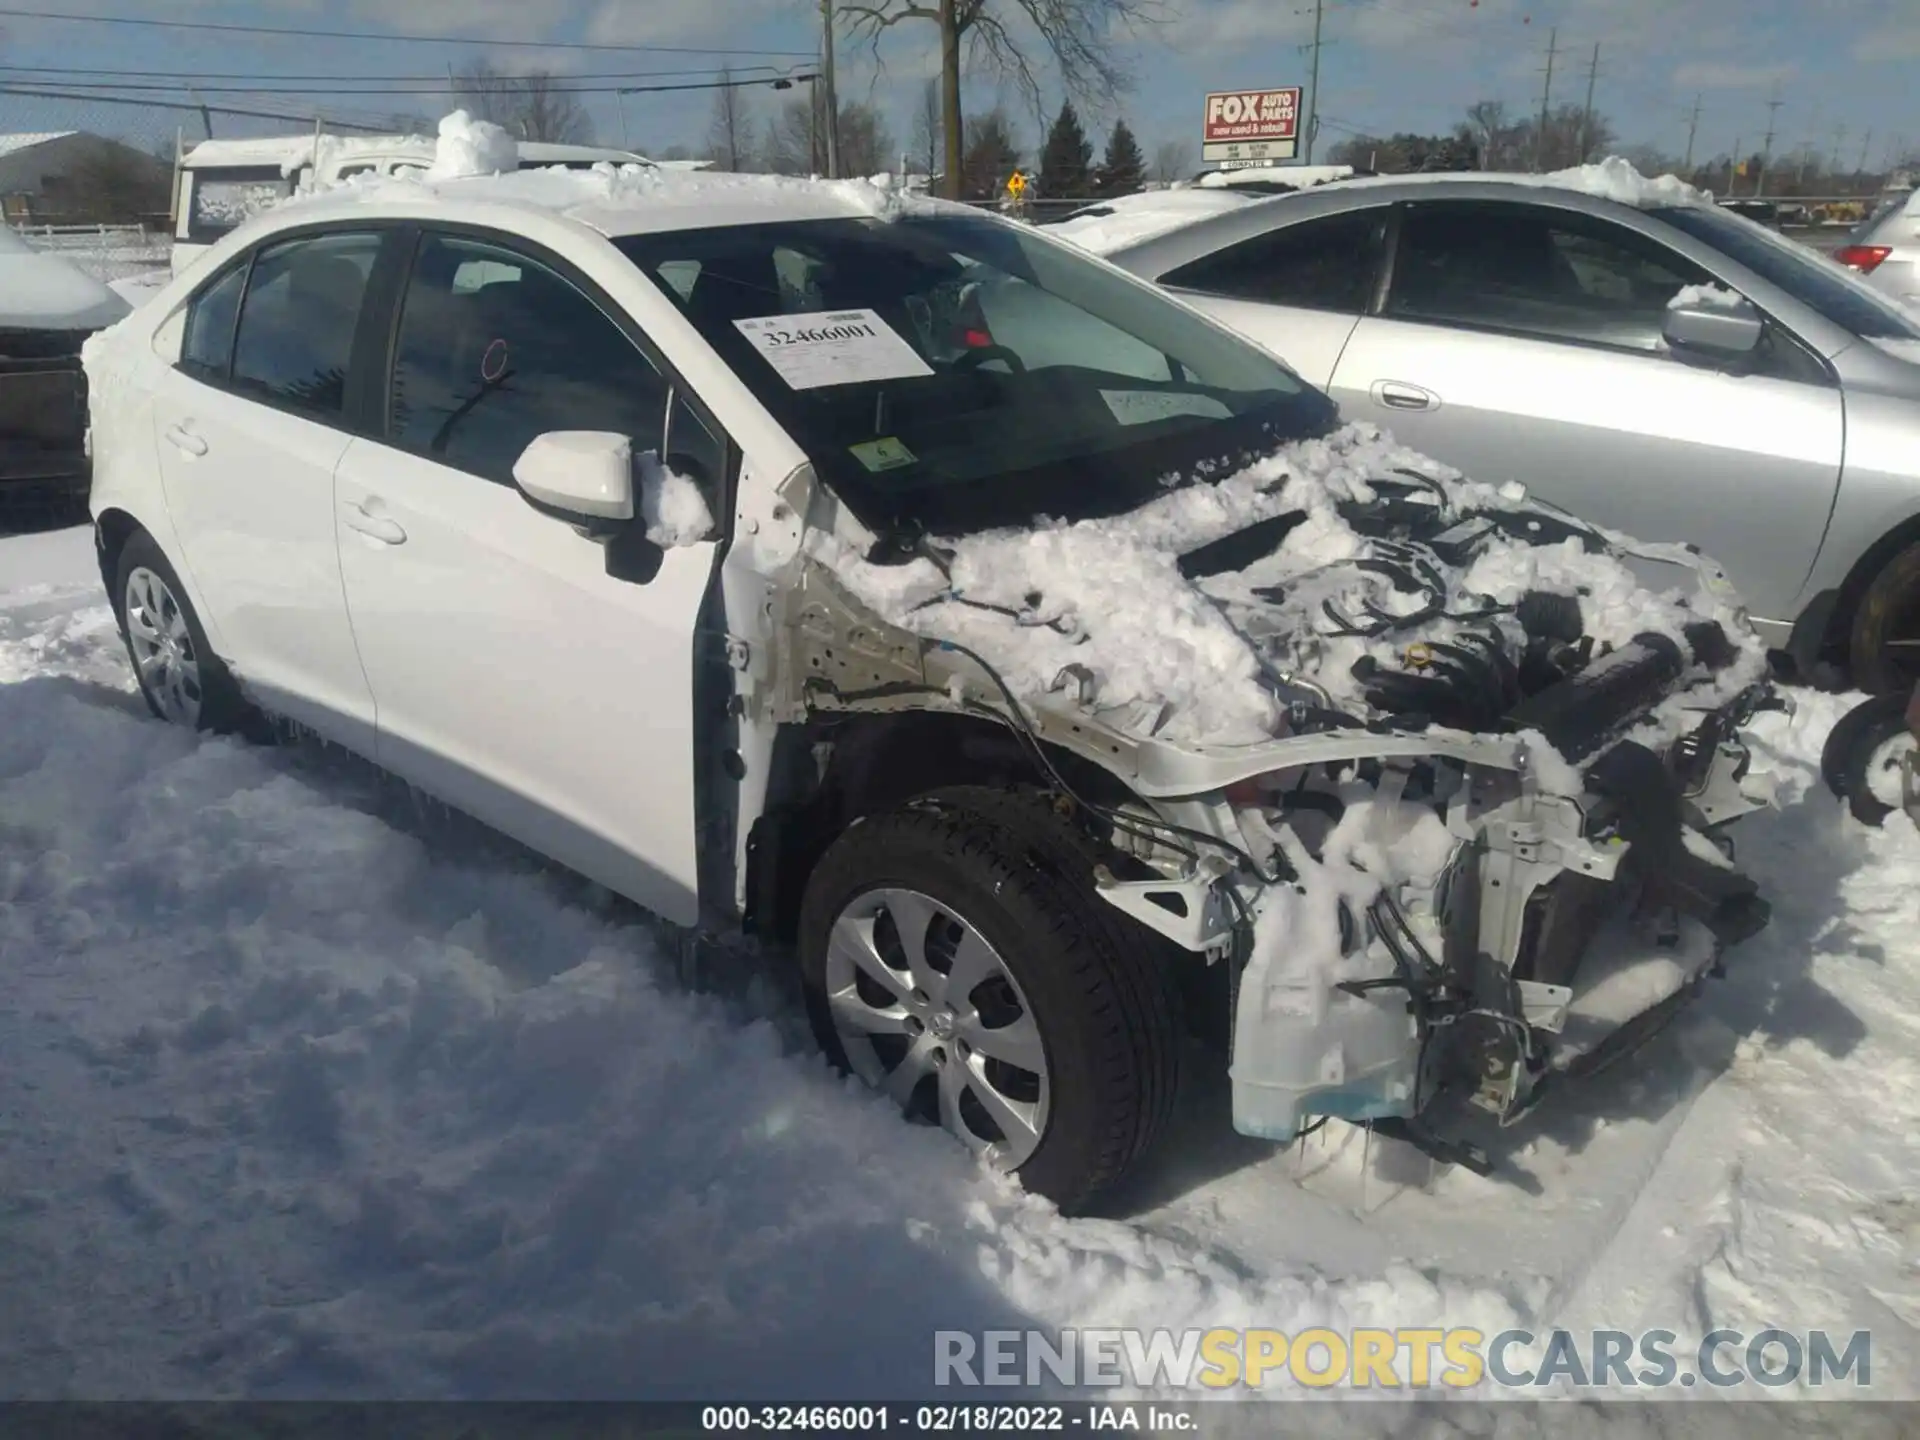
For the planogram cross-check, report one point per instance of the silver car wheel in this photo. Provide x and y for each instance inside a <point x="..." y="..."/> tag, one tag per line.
<point x="162" y="647"/>
<point x="928" y="1013"/>
<point x="1883" y="776"/>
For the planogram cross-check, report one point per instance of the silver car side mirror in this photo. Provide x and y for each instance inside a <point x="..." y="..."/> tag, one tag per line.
<point x="1714" y="329"/>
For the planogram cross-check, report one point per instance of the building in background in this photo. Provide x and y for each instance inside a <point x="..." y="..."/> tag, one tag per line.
<point x="74" y="177"/>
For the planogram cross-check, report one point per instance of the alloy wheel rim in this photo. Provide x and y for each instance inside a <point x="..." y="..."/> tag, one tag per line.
<point x="162" y="647"/>
<point x="928" y="1014"/>
<point x="1883" y="773"/>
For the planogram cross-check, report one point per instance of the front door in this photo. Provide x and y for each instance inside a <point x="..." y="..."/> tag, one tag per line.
<point x="515" y="677"/>
<point x="250" y="427"/>
<point x="1523" y="342"/>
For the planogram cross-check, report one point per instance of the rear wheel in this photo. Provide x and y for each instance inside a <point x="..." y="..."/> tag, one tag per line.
<point x="1883" y="643"/>
<point x="180" y="677"/>
<point x="954" y="960"/>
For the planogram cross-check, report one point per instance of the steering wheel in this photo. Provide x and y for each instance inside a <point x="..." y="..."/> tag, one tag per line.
<point x="973" y="359"/>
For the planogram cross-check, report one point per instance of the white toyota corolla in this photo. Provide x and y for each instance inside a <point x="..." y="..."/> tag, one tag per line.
<point x="1035" y="656"/>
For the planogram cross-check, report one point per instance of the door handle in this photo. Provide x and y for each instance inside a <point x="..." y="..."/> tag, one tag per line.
<point x="181" y="438"/>
<point x="1399" y="395"/>
<point x="378" y="527"/>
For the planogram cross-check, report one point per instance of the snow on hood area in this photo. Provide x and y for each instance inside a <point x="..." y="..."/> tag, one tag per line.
<point x="306" y="1093"/>
<point x="1195" y="660"/>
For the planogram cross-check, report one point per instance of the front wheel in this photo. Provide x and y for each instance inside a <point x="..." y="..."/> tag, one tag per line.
<point x="955" y="963"/>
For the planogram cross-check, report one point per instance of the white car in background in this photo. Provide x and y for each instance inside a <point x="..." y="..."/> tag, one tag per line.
<point x="682" y="527"/>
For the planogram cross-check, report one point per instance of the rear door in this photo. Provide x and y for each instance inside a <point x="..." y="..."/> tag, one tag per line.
<point x="516" y="677"/>
<point x="250" y="424"/>
<point x="1523" y="342"/>
<point x="1297" y="292"/>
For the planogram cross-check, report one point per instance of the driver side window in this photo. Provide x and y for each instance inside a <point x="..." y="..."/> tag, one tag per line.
<point x="495" y="348"/>
<point x="1536" y="270"/>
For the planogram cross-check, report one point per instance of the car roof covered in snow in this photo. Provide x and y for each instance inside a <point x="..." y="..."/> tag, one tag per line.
<point x="614" y="200"/>
<point x="1129" y="219"/>
<point x="292" y="151"/>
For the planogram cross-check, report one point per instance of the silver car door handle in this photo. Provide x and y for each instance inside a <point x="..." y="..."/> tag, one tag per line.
<point x="181" y="438"/>
<point x="1398" y="395"/>
<point x="387" y="532"/>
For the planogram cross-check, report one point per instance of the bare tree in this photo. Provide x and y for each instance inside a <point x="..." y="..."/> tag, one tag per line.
<point x="926" y="126"/>
<point x="529" y="104"/>
<point x="1172" y="160"/>
<point x="1083" y="40"/>
<point x="797" y="139"/>
<point x="730" y="131"/>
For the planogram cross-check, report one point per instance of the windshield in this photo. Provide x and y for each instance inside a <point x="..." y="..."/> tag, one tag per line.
<point x="1816" y="282"/>
<point x="959" y="372"/>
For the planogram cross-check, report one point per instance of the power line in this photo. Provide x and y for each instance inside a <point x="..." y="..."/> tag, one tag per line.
<point x="197" y="77"/>
<point x="227" y="28"/>
<point x="102" y="96"/>
<point x="85" y="90"/>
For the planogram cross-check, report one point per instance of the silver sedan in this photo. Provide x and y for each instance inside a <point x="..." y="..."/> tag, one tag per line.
<point x="1661" y="367"/>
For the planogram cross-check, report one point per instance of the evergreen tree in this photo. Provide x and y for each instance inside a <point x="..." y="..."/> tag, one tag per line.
<point x="1067" y="161"/>
<point x="992" y="154"/>
<point x="1124" y="169"/>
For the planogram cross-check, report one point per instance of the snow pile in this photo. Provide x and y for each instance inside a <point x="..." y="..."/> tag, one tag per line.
<point x="468" y="147"/>
<point x="1710" y="294"/>
<point x="1197" y="661"/>
<point x="1107" y="227"/>
<point x="1616" y="179"/>
<point x="1301" y="176"/>
<point x="671" y="506"/>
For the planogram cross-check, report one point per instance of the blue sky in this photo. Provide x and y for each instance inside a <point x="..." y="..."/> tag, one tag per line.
<point x="1387" y="65"/>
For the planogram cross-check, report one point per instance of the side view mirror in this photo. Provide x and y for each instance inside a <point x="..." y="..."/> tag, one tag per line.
<point x="1725" y="330"/>
<point x="583" y="476"/>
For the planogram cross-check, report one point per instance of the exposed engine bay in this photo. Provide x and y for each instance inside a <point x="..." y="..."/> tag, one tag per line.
<point x="1436" y="773"/>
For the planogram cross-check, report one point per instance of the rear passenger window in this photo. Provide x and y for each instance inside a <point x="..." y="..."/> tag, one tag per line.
<point x="495" y="349"/>
<point x="1324" y="264"/>
<point x="297" y="321"/>
<point x="209" y="340"/>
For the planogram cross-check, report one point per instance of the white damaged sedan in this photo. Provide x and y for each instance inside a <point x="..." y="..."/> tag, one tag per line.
<point x="1046" y="666"/>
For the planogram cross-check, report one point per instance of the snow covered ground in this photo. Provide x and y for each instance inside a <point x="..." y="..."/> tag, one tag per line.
<point x="303" y="1092"/>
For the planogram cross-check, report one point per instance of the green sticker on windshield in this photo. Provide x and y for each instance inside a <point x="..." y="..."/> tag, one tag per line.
<point x="884" y="454"/>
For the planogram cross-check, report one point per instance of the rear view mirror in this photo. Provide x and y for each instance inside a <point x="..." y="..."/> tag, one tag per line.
<point x="1713" y="329"/>
<point x="579" y="475"/>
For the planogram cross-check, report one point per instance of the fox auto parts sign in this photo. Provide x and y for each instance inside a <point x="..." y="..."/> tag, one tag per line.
<point x="1251" y="127"/>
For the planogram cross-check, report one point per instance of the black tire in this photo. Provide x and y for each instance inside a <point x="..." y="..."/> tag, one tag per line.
<point x="1098" y="985"/>
<point x="1889" y="610"/>
<point x="1850" y="749"/>
<point x="222" y="709"/>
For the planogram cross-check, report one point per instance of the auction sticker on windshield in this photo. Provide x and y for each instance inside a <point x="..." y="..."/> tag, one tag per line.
<point x="840" y="347"/>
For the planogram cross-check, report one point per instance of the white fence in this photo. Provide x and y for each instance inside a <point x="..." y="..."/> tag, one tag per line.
<point x="106" y="252"/>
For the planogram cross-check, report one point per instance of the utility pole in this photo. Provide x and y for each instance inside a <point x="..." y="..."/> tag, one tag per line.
<point x="1733" y="165"/>
<point x="832" y="95"/>
<point x="1866" y="144"/>
<point x="1313" y="108"/>
<point x="1839" y="139"/>
<point x="1766" y="149"/>
<point x="620" y="104"/>
<point x="1546" y="97"/>
<point x="1693" y="128"/>
<point x="1586" y="118"/>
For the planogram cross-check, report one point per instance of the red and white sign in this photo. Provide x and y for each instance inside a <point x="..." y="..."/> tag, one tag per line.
<point x="1251" y="127"/>
<point x="1247" y="115"/>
